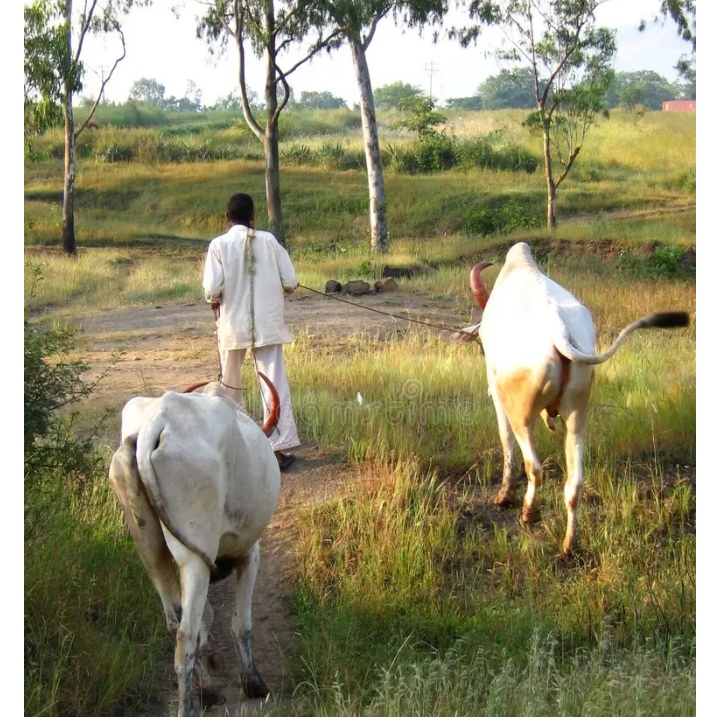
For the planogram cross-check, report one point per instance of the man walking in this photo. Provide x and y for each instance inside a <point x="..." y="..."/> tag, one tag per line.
<point x="247" y="274"/>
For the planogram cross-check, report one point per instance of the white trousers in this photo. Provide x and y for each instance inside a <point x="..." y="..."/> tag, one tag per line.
<point x="269" y="360"/>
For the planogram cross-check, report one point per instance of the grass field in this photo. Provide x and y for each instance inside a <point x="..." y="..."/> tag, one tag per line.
<point x="413" y="596"/>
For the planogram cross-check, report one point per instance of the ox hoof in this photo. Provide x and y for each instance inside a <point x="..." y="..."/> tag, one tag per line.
<point x="529" y="517"/>
<point x="504" y="499"/>
<point x="256" y="689"/>
<point x="257" y="692"/>
<point x="569" y="549"/>
<point x="211" y="696"/>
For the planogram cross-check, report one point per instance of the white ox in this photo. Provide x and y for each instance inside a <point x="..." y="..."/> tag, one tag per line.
<point x="198" y="483"/>
<point x="539" y="344"/>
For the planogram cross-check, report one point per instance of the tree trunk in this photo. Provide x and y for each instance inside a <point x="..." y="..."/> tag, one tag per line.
<point x="271" y="148"/>
<point x="68" y="221"/>
<point x="379" y="241"/>
<point x="551" y="186"/>
<point x="551" y="220"/>
<point x="272" y="182"/>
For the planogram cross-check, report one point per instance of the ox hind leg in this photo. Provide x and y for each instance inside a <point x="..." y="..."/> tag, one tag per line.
<point x="208" y="663"/>
<point x="194" y="578"/>
<point x="533" y="469"/>
<point x="506" y="495"/>
<point x="515" y="423"/>
<point x="575" y="425"/>
<point x="145" y="530"/>
<point x="250" y="679"/>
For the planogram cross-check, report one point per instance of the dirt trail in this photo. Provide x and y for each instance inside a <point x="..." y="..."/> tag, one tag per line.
<point x="173" y="347"/>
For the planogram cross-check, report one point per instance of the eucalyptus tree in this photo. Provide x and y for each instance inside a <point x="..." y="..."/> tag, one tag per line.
<point x="357" y="21"/>
<point x="571" y="64"/>
<point x="269" y="28"/>
<point x="55" y="34"/>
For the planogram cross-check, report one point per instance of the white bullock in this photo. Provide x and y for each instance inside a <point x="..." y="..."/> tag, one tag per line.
<point x="539" y="344"/>
<point x="198" y="483"/>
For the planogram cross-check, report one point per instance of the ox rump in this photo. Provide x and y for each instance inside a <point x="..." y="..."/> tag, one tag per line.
<point x="198" y="483"/>
<point x="539" y="345"/>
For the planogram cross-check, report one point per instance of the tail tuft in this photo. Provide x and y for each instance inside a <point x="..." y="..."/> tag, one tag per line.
<point x="667" y="320"/>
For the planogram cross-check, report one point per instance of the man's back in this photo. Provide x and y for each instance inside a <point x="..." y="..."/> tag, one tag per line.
<point x="246" y="320"/>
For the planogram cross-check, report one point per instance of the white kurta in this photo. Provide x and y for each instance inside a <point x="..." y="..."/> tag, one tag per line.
<point x="227" y="275"/>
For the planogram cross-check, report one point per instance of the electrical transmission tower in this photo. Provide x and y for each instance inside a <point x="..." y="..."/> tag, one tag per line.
<point x="431" y="68"/>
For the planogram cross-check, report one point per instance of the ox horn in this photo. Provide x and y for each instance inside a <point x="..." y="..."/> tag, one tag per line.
<point x="476" y="284"/>
<point x="194" y="387"/>
<point x="269" y="426"/>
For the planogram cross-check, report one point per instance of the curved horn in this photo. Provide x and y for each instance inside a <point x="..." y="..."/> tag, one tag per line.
<point x="269" y="426"/>
<point x="476" y="284"/>
<point x="194" y="387"/>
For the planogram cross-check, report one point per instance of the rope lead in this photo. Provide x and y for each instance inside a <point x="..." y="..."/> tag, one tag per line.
<point x="384" y="313"/>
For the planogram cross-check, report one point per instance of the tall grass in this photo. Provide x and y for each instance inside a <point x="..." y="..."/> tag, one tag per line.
<point x="93" y="629"/>
<point x="464" y="682"/>
<point x="407" y="576"/>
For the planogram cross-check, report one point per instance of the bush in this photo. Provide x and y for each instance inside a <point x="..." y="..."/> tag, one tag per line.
<point x="329" y="156"/>
<point x="666" y="261"/>
<point x="434" y="152"/>
<point x="480" y="153"/>
<point x="687" y="180"/>
<point x="437" y="152"/>
<point x="49" y="386"/>
<point x="502" y="215"/>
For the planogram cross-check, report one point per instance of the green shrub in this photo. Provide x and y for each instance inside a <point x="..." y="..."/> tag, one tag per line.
<point x="437" y="152"/>
<point x="666" y="261"/>
<point x="501" y="215"/>
<point x="687" y="180"/>
<point x="433" y="152"/>
<point x="49" y="386"/>
<point x="481" y="153"/>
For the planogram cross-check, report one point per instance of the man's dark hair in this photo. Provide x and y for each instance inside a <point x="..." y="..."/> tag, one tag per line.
<point x="240" y="208"/>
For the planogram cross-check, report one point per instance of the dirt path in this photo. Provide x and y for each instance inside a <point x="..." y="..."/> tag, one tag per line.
<point x="174" y="346"/>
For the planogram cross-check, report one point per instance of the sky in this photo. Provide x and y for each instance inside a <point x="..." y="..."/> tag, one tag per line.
<point x="165" y="48"/>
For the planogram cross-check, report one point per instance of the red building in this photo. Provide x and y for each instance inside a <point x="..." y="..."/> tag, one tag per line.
<point x="679" y="106"/>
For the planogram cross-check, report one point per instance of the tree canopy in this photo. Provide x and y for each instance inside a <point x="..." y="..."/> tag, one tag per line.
<point x="643" y="87"/>
<point x="324" y="100"/>
<point x="509" y="88"/>
<point x="391" y="96"/>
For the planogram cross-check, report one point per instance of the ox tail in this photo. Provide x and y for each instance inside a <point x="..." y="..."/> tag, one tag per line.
<point x="667" y="320"/>
<point x="274" y="413"/>
<point x="147" y="442"/>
